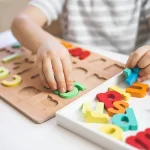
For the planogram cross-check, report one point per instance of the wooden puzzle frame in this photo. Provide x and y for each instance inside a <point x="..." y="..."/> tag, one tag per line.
<point x="40" y="104"/>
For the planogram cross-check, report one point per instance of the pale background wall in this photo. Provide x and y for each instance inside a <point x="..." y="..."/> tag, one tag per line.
<point x="9" y="8"/>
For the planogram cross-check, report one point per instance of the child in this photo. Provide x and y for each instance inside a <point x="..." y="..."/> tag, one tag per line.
<point x="115" y="25"/>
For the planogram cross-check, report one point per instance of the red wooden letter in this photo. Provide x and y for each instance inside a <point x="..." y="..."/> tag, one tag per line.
<point x="132" y="141"/>
<point x="141" y="140"/>
<point x="109" y="98"/>
<point x="79" y="52"/>
<point x="75" y="51"/>
<point x="84" y="55"/>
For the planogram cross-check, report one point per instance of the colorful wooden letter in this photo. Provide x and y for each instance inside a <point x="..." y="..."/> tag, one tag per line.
<point x="77" y="87"/>
<point x="120" y="107"/>
<point x="66" y="44"/>
<point x="93" y="117"/>
<point x="16" y="45"/>
<point x="138" y="90"/>
<point x="99" y="108"/>
<point x="17" y="81"/>
<point x="79" y="52"/>
<point x="125" y="95"/>
<point x="75" y="51"/>
<point x="136" y="70"/>
<point x="86" y="106"/>
<point x="112" y="130"/>
<point x="141" y="140"/>
<point x="97" y="115"/>
<point x="127" y="72"/>
<point x="126" y="121"/>
<point x="109" y="98"/>
<point x="3" y="72"/>
<point x="70" y="94"/>
<point x="84" y="55"/>
<point x="11" y="57"/>
<point x="133" y="76"/>
<point x="131" y="79"/>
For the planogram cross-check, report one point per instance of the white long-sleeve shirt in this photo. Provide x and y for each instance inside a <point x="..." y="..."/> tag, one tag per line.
<point x="113" y="25"/>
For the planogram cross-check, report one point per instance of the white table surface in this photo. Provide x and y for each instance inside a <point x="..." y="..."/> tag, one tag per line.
<point x="19" y="133"/>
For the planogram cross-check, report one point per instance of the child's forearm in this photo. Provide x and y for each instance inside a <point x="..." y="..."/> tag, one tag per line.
<point x="30" y="33"/>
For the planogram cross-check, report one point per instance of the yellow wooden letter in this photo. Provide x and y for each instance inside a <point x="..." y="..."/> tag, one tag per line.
<point x="17" y="80"/>
<point x="3" y="72"/>
<point x="97" y="115"/>
<point x="126" y="96"/>
<point x="94" y="117"/>
<point x="112" y="130"/>
<point x="11" y="57"/>
<point x="86" y="106"/>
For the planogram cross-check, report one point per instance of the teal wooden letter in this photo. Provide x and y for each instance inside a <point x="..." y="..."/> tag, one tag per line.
<point x="131" y="75"/>
<point x="126" y="121"/>
<point x="16" y="45"/>
<point x="127" y="72"/>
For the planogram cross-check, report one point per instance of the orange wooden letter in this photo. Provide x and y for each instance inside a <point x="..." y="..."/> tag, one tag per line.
<point x="137" y="90"/>
<point x="120" y="107"/>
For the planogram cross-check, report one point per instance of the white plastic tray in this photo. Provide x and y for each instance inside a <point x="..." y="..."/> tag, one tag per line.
<point x="70" y="117"/>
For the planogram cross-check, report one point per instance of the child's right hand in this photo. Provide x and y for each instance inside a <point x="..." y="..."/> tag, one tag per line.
<point x="141" y="58"/>
<point x="55" y="66"/>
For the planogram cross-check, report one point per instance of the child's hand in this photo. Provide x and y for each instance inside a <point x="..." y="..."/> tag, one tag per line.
<point x="141" y="58"/>
<point x="54" y="63"/>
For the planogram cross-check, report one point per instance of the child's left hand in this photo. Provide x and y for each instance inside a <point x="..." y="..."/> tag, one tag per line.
<point x="141" y="58"/>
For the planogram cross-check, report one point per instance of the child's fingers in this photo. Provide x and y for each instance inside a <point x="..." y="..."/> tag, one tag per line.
<point x="42" y="77"/>
<point x="59" y="74"/>
<point x="145" y="71"/>
<point x="144" y="61"/>
<point x="141" y="79"/>
<point x="136" y="56"/>
<point x="48" y="72"/>
<point x="67" y="67"/>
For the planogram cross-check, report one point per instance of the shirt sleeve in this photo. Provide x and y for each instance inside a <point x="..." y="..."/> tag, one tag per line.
<point x="146" y="6"/>
<point x="51" y="8"/>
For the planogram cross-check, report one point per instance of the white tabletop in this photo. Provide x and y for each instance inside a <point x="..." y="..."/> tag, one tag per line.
<point x="19" y="133"/>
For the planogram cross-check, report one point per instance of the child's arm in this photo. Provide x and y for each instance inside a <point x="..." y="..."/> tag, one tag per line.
<point x="141" y="58"/>
<point x="53" y="58"/>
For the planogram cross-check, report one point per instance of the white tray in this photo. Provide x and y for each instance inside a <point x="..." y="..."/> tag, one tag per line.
<point x="70" y="117"/>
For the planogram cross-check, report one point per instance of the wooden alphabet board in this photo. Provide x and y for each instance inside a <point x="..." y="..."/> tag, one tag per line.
<point x="40" y="104"/>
